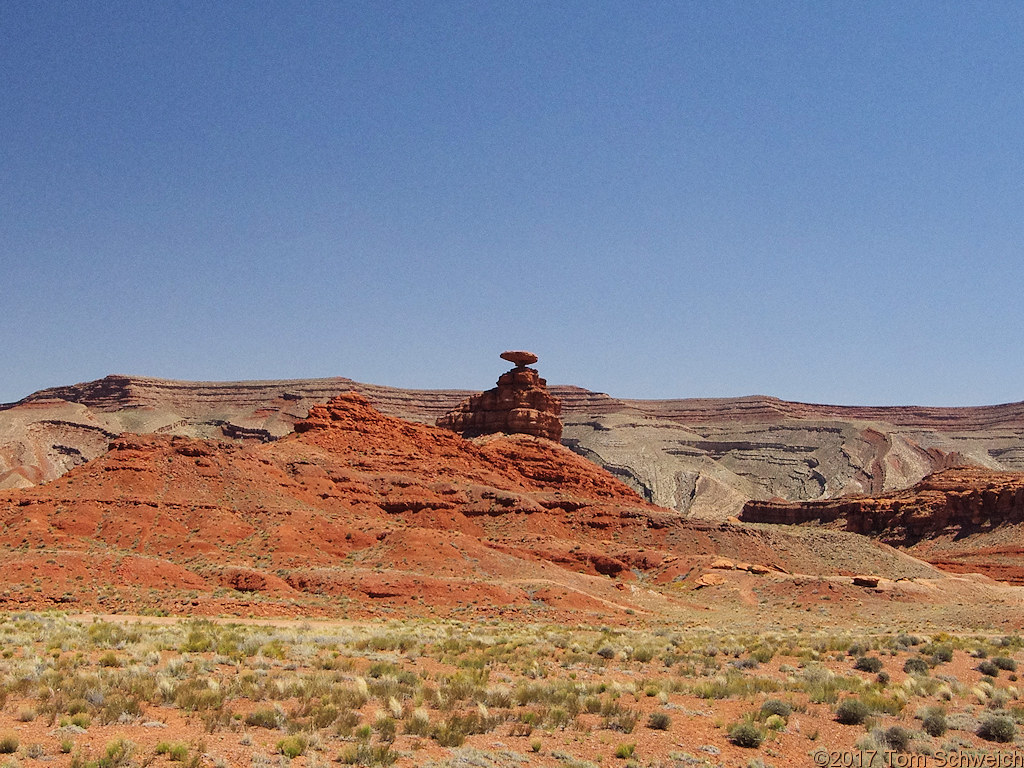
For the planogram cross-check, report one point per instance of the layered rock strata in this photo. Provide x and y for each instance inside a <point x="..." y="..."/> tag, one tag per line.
<point x="702" y="457"/>
<point x="959" y="497"/>
<point x="965" y="520"/>
<point x="519" y="404"/>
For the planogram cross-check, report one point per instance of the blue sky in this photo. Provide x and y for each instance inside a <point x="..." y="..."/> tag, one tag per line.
<point x="820" y="201"/>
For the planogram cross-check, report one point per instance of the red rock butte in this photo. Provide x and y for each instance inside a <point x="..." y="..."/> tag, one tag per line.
<point x="519" y="404"/>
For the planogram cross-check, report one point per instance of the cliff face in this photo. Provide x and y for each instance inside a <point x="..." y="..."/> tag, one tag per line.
<point x="961" y="519"/>
<point x="962" y="497"/>
<point x="704" y="457"/>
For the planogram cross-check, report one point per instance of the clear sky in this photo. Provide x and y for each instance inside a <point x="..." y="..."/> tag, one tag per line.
<point x="821" y="201"/>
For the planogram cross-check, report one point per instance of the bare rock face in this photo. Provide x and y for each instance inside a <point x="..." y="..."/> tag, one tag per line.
<point x="960" y="497"/>
<point x="519" y="404"/>
<point x="963" y="519"/>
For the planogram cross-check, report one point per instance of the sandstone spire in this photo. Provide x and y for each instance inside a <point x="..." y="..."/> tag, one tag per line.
<point x="519" y="404"/>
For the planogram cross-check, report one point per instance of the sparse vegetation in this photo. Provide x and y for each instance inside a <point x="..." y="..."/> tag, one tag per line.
<point x="369" y="695"/>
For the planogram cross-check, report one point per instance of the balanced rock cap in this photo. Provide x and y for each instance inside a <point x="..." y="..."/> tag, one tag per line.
<point x="520" y="357"/>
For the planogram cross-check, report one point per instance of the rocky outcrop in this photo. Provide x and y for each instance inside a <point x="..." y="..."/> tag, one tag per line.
<point x="519" y="404"/>
<point x="962" y="498"/>
<point x="356" y="506"/>
<point x="964" y="519"/>
<point x="702" y="457"/>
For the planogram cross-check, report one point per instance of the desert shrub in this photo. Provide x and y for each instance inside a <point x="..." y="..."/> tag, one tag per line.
<point x="197" y="694"/>
<point x="624" y="721"/>
<point x="386" y="728"/>
<point x="659" y="721"/>
<point x="117" y="753"/>
<point x="882" y="678"/>
<point x="118" y="707"/>
<point x="775" y="707"/>
<point x="997" y="728"/>
<point x="878" y="701"/>
<point x="915" y="666"/>
<point x="896" y="738"/>
<point x="643" y="655"/>
<point x="263" y="718"/>
<point x="871" y="664"/>
<point x="176" y="751"/>
<point x="852" y="711"/>
<point x="292" y="746"/>
<point x="989" y="668"/>
<point x="858" y="649"/>
<point x="606" y="652"/>
<point x="418" y="723"/>
<point x="746" y="734"/>
<point x="368" y="754"/>
<point x="625" y="751"/>
<point x="9" y="744"/>
<point x="942" y="654"/>
<point x="934" y="721"/>
<point x="733" y="683"/>
<point x="450" y="733"/>
<point x="775" y="723"/>
<point x="1005" y="662"/>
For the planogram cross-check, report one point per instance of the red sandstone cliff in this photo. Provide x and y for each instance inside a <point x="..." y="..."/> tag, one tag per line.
<point x="961" y="519"/>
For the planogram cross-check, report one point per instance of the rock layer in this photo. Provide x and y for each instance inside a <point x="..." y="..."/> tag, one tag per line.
<point x="702" y="457"/>
<point x="962" y="497"/>
<point x="356" y="507"/>
<point x="961" y="519"/>
<point x="519" y="404"/>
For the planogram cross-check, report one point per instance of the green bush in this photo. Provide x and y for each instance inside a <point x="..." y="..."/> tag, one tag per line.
<point x="263" y="718"/>
<point x="934" y="722"/>
<point x="176" y="751"/>
<point x="897" y="738"/>
<point x="9" y="744"/>
<point x="775" y="707"/>
<point x="1005" y="662"/>
<point x="997" y="728"/>
<point x="989" y="668"/>
<point x="871" y="664"/>
<point x="659" y="721"/>
<point x="625" y="751"/>
<point x="916" y="666"/>
<point x="852" y="712"/>
<point x="292" y="746"/>
<point x="746" y="734"/>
